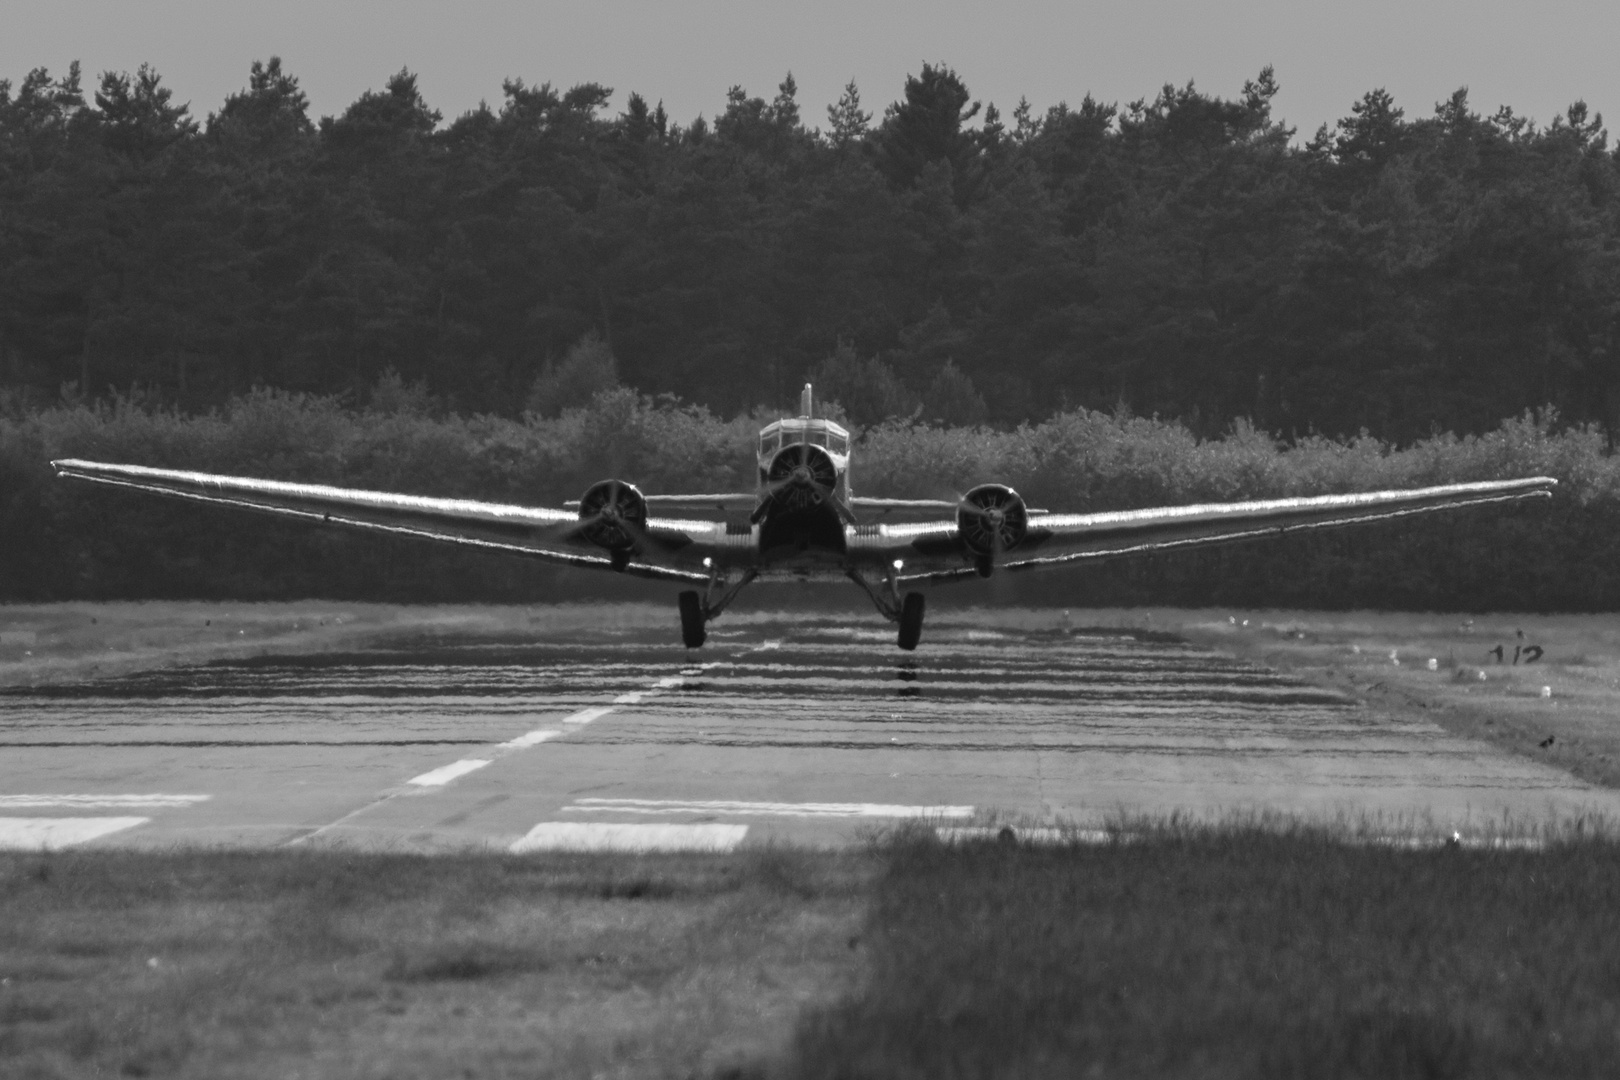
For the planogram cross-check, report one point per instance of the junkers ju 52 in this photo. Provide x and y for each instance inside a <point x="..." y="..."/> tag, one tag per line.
<point x="804" y="522"/>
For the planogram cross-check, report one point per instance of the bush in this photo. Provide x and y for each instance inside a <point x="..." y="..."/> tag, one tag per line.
<point x="63" y="541"/>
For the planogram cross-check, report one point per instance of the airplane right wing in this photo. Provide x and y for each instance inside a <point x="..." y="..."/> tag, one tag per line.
<point x="668" y="549"/>
<point x="935" y="550"/>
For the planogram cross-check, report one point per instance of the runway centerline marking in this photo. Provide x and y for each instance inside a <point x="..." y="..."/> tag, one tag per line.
<point x="100" y="802"/>
<point x="533" y="738"/>
<point x="586" y="716"/>
<point x="764" y="809"/>
<point x="442" y="777"/>
<point x="446" y="773"/>
<point x="52" y="834"/>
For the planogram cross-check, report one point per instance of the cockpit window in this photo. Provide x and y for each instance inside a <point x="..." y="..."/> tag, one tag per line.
<point x="838" y="444"/>
<point x="769" y="442"/>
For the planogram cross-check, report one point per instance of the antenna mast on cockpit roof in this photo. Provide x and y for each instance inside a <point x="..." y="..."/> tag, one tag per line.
<point x="804" y="402"/>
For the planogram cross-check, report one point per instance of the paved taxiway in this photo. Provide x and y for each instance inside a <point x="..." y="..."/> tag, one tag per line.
<point x="805" y="731"/>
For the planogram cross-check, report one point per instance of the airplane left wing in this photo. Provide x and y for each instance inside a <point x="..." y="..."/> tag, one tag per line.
<point x="553" y="535"/>
<point x="935" y="550"/>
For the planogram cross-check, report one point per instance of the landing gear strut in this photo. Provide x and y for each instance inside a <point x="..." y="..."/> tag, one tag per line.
<point x="908" y="612"/>
<point x="697" y="609"/>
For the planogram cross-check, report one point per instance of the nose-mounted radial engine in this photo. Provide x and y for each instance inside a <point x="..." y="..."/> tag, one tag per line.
<point x="804" y="485"/>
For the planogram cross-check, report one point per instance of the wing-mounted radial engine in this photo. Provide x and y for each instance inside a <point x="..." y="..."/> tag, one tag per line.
<point x="613" y="515"/>
<point x="991" y="520"/>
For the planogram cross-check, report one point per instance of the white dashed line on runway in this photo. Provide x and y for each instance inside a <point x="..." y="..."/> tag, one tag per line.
<point x="446" y="773"/>
<point x="533" y="738"/>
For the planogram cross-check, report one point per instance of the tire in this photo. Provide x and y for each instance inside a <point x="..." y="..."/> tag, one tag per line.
<point x="911" y="620"/>
<point x="693" y="631"/>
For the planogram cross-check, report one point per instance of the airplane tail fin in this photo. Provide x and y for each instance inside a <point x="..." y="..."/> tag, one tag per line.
<point x="804" y="402"/>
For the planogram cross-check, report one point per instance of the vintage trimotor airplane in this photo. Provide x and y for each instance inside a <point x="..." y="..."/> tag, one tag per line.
<point x="803" y="523"/>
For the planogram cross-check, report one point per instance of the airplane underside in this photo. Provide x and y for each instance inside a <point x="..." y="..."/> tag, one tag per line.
<point x="801" y="543"/>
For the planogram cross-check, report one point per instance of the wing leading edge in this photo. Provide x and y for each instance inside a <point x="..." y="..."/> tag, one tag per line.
<point x="552" y="535"/>
<point x="1053" y="539"/>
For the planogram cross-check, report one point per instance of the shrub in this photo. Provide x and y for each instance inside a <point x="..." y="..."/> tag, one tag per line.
<point x="70" y="541"/>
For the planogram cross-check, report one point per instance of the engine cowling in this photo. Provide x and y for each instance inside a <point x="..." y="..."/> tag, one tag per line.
<point x="613" y="515"/>
<point x="991" y="519"/>
<point x="800" y="476"/>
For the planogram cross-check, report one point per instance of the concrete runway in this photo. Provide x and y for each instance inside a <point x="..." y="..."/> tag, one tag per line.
<point x="807" y="730"/>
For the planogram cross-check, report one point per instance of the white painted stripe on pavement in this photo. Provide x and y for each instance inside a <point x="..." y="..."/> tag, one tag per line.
<point x="51" y="834"/>
<point x="629" y="699"/>
<point x="100" y="802"/>
<point x="615" y="836"/>
<point x="774" y="809"/>
<point x="533" y="738"/>
<point x="585" y="716"/>
<point x="1049" y="835"/>
<point x="446" y="773"/>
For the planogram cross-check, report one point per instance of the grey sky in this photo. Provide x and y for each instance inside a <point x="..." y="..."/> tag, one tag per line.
<point x="1536" y="57"/>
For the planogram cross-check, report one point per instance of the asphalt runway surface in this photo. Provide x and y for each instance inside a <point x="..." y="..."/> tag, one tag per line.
<point x="804" y="730"/>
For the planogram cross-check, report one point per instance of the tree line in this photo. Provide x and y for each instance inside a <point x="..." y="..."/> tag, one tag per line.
<point x="1182" y="256"/>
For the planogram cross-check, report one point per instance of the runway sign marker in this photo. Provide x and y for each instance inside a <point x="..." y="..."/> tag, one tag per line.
<point x="53" y="834"/>
<point x="767" y="809"/>
<point x="616" y="836"/>
<point x="446" y="773"/>
<point x="99" y="802"/>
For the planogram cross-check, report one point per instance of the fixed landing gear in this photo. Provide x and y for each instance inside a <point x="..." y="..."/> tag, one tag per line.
<point x="911" y="617"/>
<point x="697" y="608"/>
<point x="693" y="630"/>
<point x="908" y="612"/>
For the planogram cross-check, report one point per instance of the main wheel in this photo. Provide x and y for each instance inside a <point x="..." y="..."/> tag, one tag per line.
<point x="692" y="629"/>
<point x="911" y="616"/>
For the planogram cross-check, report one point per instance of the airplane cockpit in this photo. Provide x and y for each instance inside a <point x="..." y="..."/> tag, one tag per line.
<point x="823" y="433"/>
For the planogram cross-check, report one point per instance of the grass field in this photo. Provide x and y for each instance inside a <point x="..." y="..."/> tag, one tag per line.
<point x="1563" y="708"/>
<point x="319" y="965"/>
<point x="1257" y="948"/>
<point x="1186" y="952"/>
<point x="1198" y="952"/>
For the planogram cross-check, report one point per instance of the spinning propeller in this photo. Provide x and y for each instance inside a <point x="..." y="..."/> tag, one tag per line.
<point x="991" y="519"/>
<point x="800" y="477"/>
<point x="613" y="515"/>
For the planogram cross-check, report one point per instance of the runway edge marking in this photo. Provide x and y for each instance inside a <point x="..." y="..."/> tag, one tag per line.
<point x="99" y="802"/>
<point x="53" y="834"/>
<point x="763" y="809"/>
<point x="615" y="836"/>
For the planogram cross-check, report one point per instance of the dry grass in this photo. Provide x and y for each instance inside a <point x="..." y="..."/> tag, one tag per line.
<point x="215" y="965"/>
